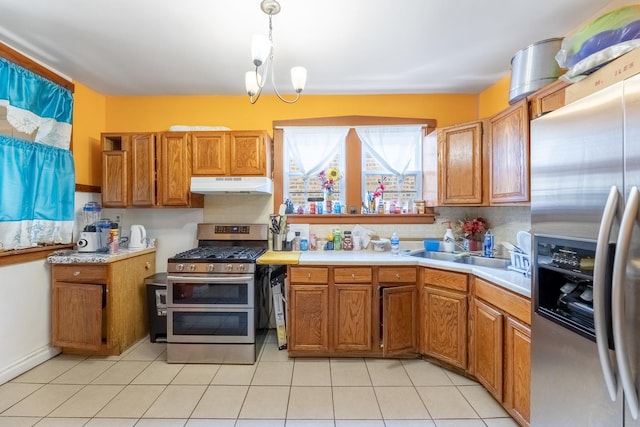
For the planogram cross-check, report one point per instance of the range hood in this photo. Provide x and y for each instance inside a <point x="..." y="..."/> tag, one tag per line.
<point x="231" y="185"/>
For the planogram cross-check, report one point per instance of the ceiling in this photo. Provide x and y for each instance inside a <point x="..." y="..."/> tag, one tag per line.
<point x="187" y="47"/>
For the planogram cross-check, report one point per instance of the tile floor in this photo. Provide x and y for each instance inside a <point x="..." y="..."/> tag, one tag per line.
<point x="138" y="388"/>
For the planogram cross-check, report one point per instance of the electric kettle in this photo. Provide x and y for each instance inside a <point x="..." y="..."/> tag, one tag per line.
<point x="137" y="237"/>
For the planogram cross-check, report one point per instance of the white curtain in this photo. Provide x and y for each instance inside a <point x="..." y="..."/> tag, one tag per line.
<point x="394" y="147"/>
<point x="312" y="148"/>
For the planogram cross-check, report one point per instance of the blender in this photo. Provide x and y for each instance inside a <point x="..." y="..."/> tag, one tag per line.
<point x="90" y="237"/>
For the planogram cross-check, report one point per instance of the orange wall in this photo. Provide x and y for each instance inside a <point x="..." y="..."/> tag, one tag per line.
<point x="95" y="113"/>
<point x="89" y="114"/>
<point x="495" y="98"/>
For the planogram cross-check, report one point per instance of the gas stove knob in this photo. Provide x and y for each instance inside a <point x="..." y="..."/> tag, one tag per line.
<point x="210" y="267"/>
<point x="229" y="267"/>
<point x="241" y="267"/>
<point x="180" y="267"/>
<point x="192" y="267"/>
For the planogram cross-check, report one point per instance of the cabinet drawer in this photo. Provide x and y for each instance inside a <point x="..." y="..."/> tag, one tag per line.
<point x="80" y="273"/>
<point x="352" y="275"/>
<point x="505" y="300"/>
<point x="309" y="275"/>
<point x="446" y="279"/>
<point x="397" y="275"/>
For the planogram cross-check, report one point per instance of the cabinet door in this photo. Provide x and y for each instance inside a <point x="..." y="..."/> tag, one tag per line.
<point x="248" y="154"/>
<point x="460" y="164"/>
<point x="509" y="149"/>
<point x="76" y="315"/>
<point x="352" y="317"/>
<point x="487" y="340"/>
<point x="309" y="317"/>
<point x="210" y="151"/>
<point x="143" y="170"/>
<point x="517" y="396"/>
<point x="175" y="171"/>
<point x="444" y="325"/>
<point x="115" y="181"/>
<point x="399" y="320"/>
<point x="548" y="99"/>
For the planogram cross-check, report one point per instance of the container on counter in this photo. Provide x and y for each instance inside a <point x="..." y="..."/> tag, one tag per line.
<point x="114" y="238"/>
<point x="304" y="244"/>
<point x="313" y="242"/>
<point x="337" y="239"/>
<point x="347" y="241"/>
<point x="296" y="242"/>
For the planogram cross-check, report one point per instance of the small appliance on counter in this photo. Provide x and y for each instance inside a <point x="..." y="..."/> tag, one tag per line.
<point x="89" y="241"/>
<point x="137" y="237"/>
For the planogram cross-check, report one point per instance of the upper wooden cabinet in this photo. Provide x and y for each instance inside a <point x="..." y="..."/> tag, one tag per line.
<point x="547" y="99"/>
<point x="233" y="153"/>
<point x="509" y="155"/>
<point x="128" y="170"/>
<point x="174" y="171"/>
<point x="461" y="177"/>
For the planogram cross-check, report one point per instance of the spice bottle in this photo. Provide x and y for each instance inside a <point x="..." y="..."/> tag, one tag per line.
<point x="114" y="238"/>
<point x="347" y="241"/>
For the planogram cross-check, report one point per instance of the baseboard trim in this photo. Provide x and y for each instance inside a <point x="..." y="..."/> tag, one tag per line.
<point x="30" y="361"/>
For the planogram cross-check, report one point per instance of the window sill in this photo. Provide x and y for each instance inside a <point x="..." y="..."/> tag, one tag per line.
<point x="427" y="218"/>
<point x="19" y="256"/>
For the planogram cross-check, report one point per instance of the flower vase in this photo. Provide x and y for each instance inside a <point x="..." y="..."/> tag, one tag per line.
<point x="372" y="206"/>
<point x="472" y="245"/>
<point x="328" y="196"/>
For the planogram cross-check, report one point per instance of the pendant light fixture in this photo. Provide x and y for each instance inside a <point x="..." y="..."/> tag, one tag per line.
<point x="262" y="55"/>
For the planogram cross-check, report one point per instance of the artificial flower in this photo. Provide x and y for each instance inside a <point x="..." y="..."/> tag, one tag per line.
<point x="472" y="228"/>
<point x="380" y="190"/>
<point x="328" y="178"/>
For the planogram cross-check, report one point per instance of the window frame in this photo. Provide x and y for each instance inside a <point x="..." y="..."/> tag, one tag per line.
<point x="352" y="174"/>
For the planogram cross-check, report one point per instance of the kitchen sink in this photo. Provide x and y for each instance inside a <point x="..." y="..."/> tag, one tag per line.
<point x="462" y="258"/>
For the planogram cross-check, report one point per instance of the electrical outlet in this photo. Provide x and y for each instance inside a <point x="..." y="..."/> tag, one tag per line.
<point x="118" y="216"/>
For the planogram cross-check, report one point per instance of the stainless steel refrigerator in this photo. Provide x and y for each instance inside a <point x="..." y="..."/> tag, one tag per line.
<point x="585" y="166"/>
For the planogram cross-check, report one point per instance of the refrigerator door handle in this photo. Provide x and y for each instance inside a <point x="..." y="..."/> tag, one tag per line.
<point x="599" y="275"/>
<point x="617" y="301"/>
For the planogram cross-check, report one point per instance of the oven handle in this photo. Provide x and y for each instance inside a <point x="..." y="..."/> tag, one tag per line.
<point x="226" y="278"/>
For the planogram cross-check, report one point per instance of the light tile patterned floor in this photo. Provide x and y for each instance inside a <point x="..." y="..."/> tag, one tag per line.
<point x="138" y="388"/>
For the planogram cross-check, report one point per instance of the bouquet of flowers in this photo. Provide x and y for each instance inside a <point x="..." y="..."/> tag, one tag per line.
<point x="472" y="229"/>
<point x="380" y="190"/>
<point x="328" y="178"/>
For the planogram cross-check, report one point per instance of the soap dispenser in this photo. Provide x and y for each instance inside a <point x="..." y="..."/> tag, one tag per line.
<point x="449" y="240"/>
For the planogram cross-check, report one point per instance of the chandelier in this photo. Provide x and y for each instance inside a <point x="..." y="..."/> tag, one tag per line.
<point x="262" y="55"/>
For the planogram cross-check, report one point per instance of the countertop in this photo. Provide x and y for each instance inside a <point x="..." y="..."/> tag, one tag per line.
<point x="508" y="279"/>
<point x="68" y="256"/>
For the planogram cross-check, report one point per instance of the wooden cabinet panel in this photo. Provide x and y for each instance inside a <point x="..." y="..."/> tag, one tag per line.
<point x="505" y="300"/>
<point x="175" y="169"/>
<point x="352" y="317"/>
<point x="446" y="279"/>
<point x="547" y="99"/>
<point x="115" y="182"/>
<point x="76" y="315"/>
<point x="308" y="318"/>
<point x="399" y="320"/>
<point x="397" y="275"/>
<point x="509" y="150"/>
<point x="80" y="273"/>
<point x="460" y="164"/>
<point x="210" y="153"/>
<point x="143" y="170"/>
<point x="248" y="154"/>
<point x="318" y="275"/>
<point x="352" y="275"/>
<point x="487" y="341"/>
<point x="517" y="394"/>
<point x="444" y="325"/>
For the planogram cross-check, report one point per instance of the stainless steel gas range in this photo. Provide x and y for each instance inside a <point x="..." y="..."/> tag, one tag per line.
<point x="217" y="296"/>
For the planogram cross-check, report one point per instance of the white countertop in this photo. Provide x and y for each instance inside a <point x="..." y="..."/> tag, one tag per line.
<point x="508" y="279"/>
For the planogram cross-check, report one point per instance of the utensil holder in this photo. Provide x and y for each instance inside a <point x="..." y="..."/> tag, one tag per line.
<point x="277" y="241"/>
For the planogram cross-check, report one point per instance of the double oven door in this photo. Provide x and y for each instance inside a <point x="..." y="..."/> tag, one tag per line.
<point x="211" y="308"/>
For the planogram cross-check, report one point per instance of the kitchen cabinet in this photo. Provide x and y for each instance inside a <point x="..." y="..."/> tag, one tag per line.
<point x="500" y="346"/>
<point x="352" y="300"/>
<point x="128" y="170"/>
<point x="308" y="307"/>
<point x="443" y="316"/>
<point x="100" y="308"/>
<point x="509" y="155"/>
<point x="547" y="99"/>
<point x="174" y="171"/>
<point x="233" y="153"/>
<point x="462" y="177"/>
<point x="147" y="170"/>
<point x="398" y="310"/>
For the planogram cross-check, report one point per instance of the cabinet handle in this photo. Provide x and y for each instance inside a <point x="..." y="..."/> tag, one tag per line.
<point x="76" y="273"/>
<point x="397" y="276"/>
<point x="353" y="275"/>
<point x="147" y="265"/>
<point x="308" y="275"/>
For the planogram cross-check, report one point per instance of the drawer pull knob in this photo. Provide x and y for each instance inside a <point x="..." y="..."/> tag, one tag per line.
<point x="147" y="265"/>
<point x="308" y="275"/>
<point x="397" y="276"/>
<point x="353" y="275"/>
<point x="76" y="273"/>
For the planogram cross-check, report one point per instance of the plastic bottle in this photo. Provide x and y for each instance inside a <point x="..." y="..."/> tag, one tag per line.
<point x="337" y="240"/>
<point x="449" y="240"/>
<point x="395" y="244"/>
<point x="296" y="242"/>
<point x="114" y="239"/>
<point x="487" y="247"/>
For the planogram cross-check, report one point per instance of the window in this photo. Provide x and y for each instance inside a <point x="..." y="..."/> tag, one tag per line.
<point x="365" y="150"/>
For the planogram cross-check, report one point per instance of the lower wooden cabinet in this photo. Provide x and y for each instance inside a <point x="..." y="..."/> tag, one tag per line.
<point x="443" y="318"/>
<point x="399" y="320"/>
<point x="352" y="302"/>
<point x="100" y="308"/>
<point x="517" y="393"/>
<point x="487" y="347"/>
<point x="308" y="326"/>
